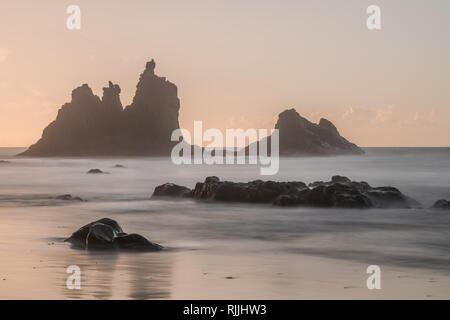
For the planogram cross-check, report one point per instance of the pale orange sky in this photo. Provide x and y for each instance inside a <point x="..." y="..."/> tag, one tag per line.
<point x="237" y="63"/>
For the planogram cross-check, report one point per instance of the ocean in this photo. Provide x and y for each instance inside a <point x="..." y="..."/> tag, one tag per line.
<point x="224" y="250"/>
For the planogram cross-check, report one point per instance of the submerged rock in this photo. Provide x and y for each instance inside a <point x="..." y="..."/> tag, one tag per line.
<point x="172" y="190"/>
<point x="106" y="234"/>
<point x="5" y="161"/>
<point x="68" y="197"/>
<point x="441" y="204"/>
<point x="119" y="166"/>
<point x="340" y="192"/>
<point x="96" y="171"/>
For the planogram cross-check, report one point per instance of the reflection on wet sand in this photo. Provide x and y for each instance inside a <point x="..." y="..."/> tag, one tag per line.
<point x="109" y="275"/>
<point x="150" y="278"/>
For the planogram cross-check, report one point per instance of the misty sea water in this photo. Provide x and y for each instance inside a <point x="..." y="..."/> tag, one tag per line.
<point x="224" y="250"/>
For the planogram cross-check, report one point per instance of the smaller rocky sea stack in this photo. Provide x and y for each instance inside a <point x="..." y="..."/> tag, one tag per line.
<point x="441" y="204"/>
<point x="300" y="137"/>
<point x="106" y="234"/>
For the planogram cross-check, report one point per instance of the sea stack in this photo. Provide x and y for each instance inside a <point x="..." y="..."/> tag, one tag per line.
<point x="90" y="126"/>
<point x="300" y="137"/>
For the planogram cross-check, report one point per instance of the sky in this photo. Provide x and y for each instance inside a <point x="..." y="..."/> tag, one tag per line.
<point x="237" y="63"/>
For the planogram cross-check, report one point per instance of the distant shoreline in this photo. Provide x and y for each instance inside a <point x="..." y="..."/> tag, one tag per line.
<point x="11" y="153"/>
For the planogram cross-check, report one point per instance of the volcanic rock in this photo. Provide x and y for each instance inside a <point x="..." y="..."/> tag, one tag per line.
<point x="90" y="126"/>
<point x="172" y="190"/>
<point x="340" y="192"/>
<point x="106" y="234"/>
<point x="300" y="137"/>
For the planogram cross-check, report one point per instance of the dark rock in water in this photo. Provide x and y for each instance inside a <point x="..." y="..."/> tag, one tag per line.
<point x="68" y="197"/>
<point x="119" y="166"/>
<point x="298" y="136"/>
<point x="340" y="179"/>
<point x="78" y="238"/>
<point x="100" y="236"/>
<point x="90" y="126"/>
<point x="172" y="190"/>
<point x="441" y="204"/>
<point x="257" y="191"/>
<point x="390" y="197"/>
<point x="96" y="171"/>
<point x="4" y="161"/>
<point x="106" y="234"/>
<point x="212" y="188"/>
<point x="340" y="192"/>
<point x="135" y="242"/>
<point x="338" y="195"/>
<point x="295" y="199"/>
<point x="362" y="186"/>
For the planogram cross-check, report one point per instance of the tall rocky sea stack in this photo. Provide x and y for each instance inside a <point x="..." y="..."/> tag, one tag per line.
<point x="300" y="137"/>
<point x="90" y="126"/>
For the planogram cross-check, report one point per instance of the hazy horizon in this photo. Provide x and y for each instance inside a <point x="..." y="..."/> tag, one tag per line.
<point x="237" y="64"/>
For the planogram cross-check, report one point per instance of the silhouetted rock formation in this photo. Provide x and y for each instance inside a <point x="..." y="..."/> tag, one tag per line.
<point x="68" y="197"/>
<point x="96" y="171"/>
<point x="298" y="136"/>
<point x="441" y="204"/>
<point x="90" y="126"/>
<point x="106" y="234"/>
<point x="340" y="192"/>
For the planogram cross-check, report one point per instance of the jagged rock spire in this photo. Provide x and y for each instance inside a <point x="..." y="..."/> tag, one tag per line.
<point x="90" y="126"/>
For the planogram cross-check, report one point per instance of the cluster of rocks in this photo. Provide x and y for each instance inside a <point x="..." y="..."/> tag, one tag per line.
<point x="340" y="192"/>
<point x="106" y="234"/>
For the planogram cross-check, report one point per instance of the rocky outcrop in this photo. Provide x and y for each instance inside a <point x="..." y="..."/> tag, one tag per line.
<point x="340" y="192"/>
<point x="172" y="190"/>
<point x="96" y="171"/>
<point x="441" y="204"/>
<point x="68" y="197"/>
<point x="257" y="191"/>
<point x="90" y="126"/>
<point x="106" y="234"/>
<point x="300" y="137"/>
